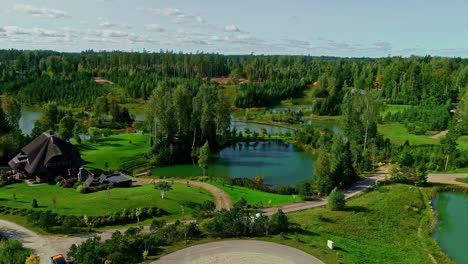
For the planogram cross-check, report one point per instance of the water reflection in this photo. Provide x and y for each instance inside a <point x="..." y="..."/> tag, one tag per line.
<point x="278" y="162"/>
<point x="451" y="232"/>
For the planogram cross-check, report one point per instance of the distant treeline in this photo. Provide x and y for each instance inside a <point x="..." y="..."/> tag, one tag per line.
<point x="38" y="76"/>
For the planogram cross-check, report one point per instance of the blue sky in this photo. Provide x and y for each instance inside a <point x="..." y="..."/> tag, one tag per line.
<point x="371" y="28"/>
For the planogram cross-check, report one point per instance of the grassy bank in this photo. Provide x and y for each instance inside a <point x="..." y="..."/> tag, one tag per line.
<point x="464" y="180"/>
<point x="398" y="134"/>
<point x="70" y="202"/>
<point x="391" y="224"/>
<point x="254" y="197"/>
<point x="108" y="153"/>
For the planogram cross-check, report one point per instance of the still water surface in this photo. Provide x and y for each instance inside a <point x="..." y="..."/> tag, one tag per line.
<point x="279" y="163"/>
<point x="452" y="228"/>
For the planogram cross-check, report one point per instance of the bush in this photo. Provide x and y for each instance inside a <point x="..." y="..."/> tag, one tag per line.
<point x="279" y="222"/>
<point x="34" y="204"/>
<point x="12" y="252"/>
<point x="336" y="200"/>
<point x="81" y="188"/>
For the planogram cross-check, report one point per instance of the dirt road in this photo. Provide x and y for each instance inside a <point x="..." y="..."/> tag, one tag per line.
<point x="448" y="178"/>
<point x="357" y="188"/>
<point x="222" y="199"/>
<point x="239" y="252"/>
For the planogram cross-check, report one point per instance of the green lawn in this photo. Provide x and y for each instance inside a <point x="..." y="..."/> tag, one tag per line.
<point x="392" y="108"/>
<point x="112" y="150"/>
<point x="380" y="226"/>
<point x="463" y="142"/>
<point x="464" y="180"/>
<point x="398" y="134"/>
<point x="70" y="202"/>
<point x="255" y="197"/>
<point x="387" y="225"/>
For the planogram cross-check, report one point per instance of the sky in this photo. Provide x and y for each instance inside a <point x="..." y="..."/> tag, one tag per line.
<point x="346" y="28"/>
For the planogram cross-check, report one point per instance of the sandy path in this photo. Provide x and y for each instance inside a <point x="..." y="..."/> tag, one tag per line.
<point x="356" y="189"/>
<point x="447" y="178"/>
<point x="239" y="252"/>
<point x="38" y="244"/>
<point x="222" y="199"/>
<point x="441" y="134"/>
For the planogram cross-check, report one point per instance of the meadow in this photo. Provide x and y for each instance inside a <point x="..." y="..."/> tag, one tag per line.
<point x="70" y="202"/>
<point x="109" y="153"/>
<point x="254" y="197"/>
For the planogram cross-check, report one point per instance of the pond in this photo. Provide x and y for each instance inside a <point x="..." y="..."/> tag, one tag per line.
<point x="452" y="228"/>
<point x="28" y="118"/>
<point x="278" y="162"/>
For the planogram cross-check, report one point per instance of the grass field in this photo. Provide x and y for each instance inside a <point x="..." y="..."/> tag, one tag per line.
<point x="398" y="134"/>
<point x="70" y="202"/>
<point x="378" y="227"/>
<point x="111" y="150"/>
<point x="255" y="197"/>
<point x="464" y="180"/>
<point x="388" y="225"/>
<point x="391" y="108"/>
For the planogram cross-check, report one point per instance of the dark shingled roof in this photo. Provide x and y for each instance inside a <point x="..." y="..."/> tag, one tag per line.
<point x="45" y="148"/>
<point x="118" y="179"/>
<point x="115" y="177"/>
<point x="102" y="178"/>
<point x="89" y="181"/>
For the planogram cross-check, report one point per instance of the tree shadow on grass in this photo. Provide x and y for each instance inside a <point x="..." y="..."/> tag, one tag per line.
<point x="357" y="209"/>
<point x="340" y="249"/>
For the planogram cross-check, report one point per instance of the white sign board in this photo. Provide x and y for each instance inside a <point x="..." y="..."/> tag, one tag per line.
<point x="330" y="244"/>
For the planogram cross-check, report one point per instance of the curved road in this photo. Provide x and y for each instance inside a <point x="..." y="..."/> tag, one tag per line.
<point x="356" y="189"/>
<point x="46" y="246"/>
<point x="447" y="178"/>
<point x="239" y="252"/>
<point x="222" y="199"/>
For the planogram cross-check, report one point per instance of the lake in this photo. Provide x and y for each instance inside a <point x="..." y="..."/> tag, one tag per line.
<point x="452" y="228"/>
<point x="278" y="162"/>
<point x="28" y="118"/>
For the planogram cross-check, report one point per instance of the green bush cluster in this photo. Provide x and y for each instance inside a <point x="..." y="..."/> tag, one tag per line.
<point x="53" y="222"/>
<point x="129" y="247"/>
<point x="242" y="222"/>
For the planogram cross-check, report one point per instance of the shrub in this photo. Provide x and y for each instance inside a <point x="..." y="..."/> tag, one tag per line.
<point x="34" y="204"/>
<point x="279" y="222"/>
<point x="81" y="188"/>
<point x="336" y="200"/>
<point x="12" y="252"/>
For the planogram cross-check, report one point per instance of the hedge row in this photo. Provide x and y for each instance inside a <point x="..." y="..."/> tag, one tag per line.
<point x="48" y="220"/>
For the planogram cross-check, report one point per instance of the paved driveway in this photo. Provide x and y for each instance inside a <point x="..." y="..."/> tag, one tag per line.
<point x="239" y="252"/>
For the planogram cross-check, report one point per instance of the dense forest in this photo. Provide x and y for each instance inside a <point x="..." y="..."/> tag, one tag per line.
<point x="41" y="76"/>
<point x="186" y="110"/>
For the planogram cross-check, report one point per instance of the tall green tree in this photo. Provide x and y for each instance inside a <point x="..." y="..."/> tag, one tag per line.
<point x="164" y="187"/>
<point x="203" y="157"/>
<point x="12" y="111"/>
<point x="66" y="127"/>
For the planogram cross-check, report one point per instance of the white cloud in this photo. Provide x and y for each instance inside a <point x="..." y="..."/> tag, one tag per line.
<point x="104" y="23"/>
<point x="107" y="33"/>
<point x="383" y="45"/>
<point x="41" y="12"/>
<point x="231" y="28"/>
<point x="100" y="40"/>
<point x="297" y="43"/>
<point x="240" y="39"/>
<point x="133" y="38"/>
<point x="200" y="20"/>
<point x="176" y="15"/>
<point x="154" y="27"/>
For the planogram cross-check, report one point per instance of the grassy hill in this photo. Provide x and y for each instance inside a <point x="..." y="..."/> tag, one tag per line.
<point x="110" y="152"/>
<point x="70" y="202"/>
